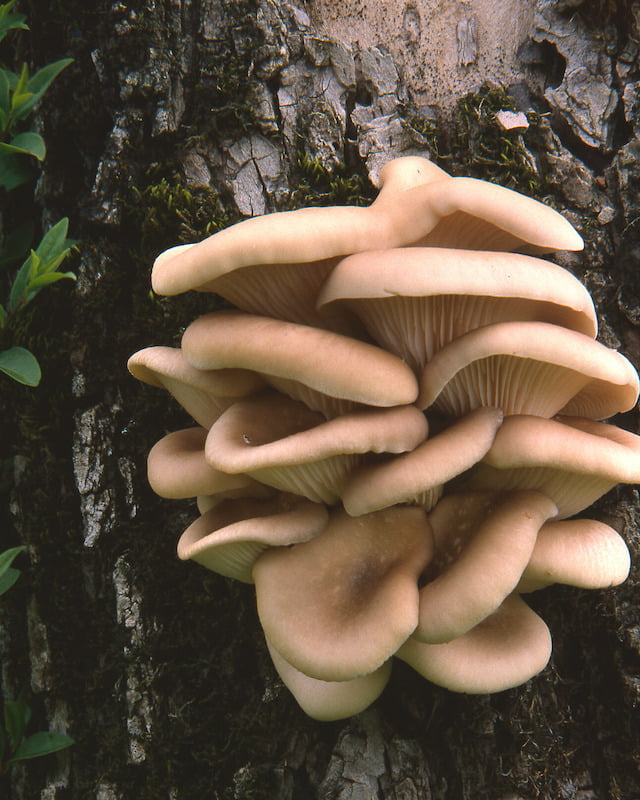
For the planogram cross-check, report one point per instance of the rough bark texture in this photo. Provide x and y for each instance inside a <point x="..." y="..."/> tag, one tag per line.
<point x="176" y="117"/>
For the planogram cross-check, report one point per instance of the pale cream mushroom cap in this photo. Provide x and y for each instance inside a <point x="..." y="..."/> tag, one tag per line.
<point x="528" y="368"/>
<point x="572" y="460"/>
<point x="338" y="606"/>
<point x="418" y="476"/>
<point x="327" y="371"/>
<point x="282" y="443"/>
<point x="475" y="214"/>
<point x="177" y="468"/>
<point x="229" y="538"/>
<point x="505" y="650"/>
<point x="577" y="552"/>
<point x="331" y="700"/>
<point x="400" y="174"/>
<point x="203" y="394"/>
<point x="413" y="301"/>
<point x="500" y="538"/>
<point x="458" y="212"/>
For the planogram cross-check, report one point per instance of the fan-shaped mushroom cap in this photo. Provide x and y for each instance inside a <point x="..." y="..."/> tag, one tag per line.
<point x="500" y="535"/>
<point x="504" y="650"/>
<point x="203" y="394"/>
<point x="418" y="476"/>
<point x="577" y="552"/>
<point x="414" y="301"/>
<point x="282" y="443"/>
<point x="400" y="174"/>
<point x="529" y="368"/>
<point x="453" y="212"/>
<point x="331" y="700"/>
<point x="316" y="366"/>
<point x="229" y="538"/>
<point x="177" y="468"/>
<point x="338" y="606"/>
<point x="572" y="460"/>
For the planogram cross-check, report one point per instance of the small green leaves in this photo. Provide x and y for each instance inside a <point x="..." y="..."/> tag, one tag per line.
<point x="9" y="22"/>
<point x="28" y="144"/>
<point x="8" y="575"/>
<point x="21" y="365"/>
<point x="40" y="744"/>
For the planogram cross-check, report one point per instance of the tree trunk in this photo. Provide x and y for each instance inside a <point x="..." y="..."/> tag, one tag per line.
<point x="176" y="118"/>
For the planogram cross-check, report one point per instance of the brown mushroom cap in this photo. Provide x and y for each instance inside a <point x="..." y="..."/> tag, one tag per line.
<point x="282" y="443"/>
<point x="414" y="301"/>
<point x="572" y="460"/>
<point x="331" y="700"/>
<point x="577" y="552"/>
<point x="309" y="364"/>
<point x="460" y="212"/>
<point x="338" y="606"/>
<point x="489" y="565"/>
<point x="528" y="368"/>
<point x="418" y="476"/>
<point x="229" y="538"/>
<point x="177" y="468"/>
<point x="504" y="650"/>
<point x="203" y="394"/>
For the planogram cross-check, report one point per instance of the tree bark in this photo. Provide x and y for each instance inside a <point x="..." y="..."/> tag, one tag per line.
<point x="176" y="118"/>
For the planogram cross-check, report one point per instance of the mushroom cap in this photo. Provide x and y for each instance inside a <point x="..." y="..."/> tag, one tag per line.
<point x="570" y="459"/>
<point x="229" y="538"/>
<point x="284" y="444"/>
<point x="475" y="214"/>
<point x="331" y="700"/>
<point x="529" y="368"/>
<point x="403" y="173"/>
<point x="461" y="212"/>
<point x="177" y="468"/>
<point x="338" y="606"/>
<point x="203" y="394"/>
<point x="418" y="476"/>
<point x="503" y="651"/>
<point x="313" y="364"/>
<point x="414" y="301"/>
<point x="577" y="552"/>
<point x="489" y="565"/>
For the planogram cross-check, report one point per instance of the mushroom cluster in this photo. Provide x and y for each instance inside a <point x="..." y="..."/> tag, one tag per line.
<point x="393" y="429"/>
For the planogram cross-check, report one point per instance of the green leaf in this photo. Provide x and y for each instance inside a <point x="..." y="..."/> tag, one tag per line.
<point x="8" y="579"/>
<point x="16" y="718"/>
<point x="41" y="281"/>
<point x="29" y="144"/>
<point x="41" y="744"/>
<point x="21" y="365"/>
<point x="19" y="285"/>
<point x="15" y="170"/>
<point x="38" y="84"/>
<point x="54" y="242"/>
<point x="8" y="556"/>
<point x="5" y="91"/>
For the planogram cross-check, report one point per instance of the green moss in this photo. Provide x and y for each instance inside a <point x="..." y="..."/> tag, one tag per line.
<point x="475" y="144"/>
<point x="313" y="184"/>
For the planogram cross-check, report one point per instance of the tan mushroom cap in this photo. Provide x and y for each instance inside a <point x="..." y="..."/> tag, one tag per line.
<point x="418" y="477"/>
<point x="414" y="301"/>
<point x="453" y="212"/>
<point x="331" y="700"/>
<point x="572" y="460"/>
<point x="577" y="552"/>
<point x="177" y="468"/>
<point x="203" y="394"/>
<point x="338" y="606"/>
<point x="312" y="365"/>
<point x="489" y="564"/>
<point x="528" y="368"/>
<point x="229" y="538"/>
<point x="504" y="650"/>
<point x="282" y="443"/>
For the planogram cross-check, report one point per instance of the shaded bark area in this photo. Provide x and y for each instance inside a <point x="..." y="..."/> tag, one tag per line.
<point x="176" y="117"/>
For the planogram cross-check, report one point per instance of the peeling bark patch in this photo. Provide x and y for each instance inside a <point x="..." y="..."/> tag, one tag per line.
<point x="91" y="452"/>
